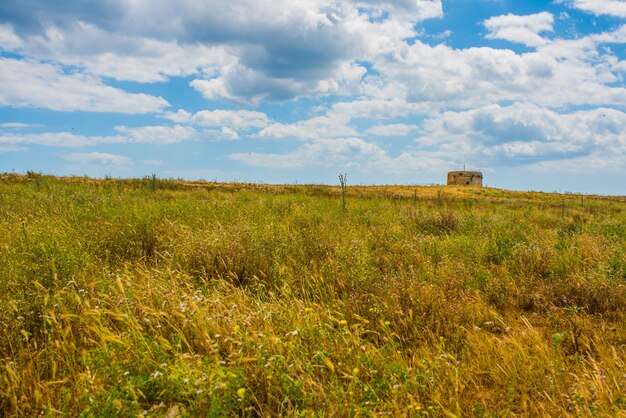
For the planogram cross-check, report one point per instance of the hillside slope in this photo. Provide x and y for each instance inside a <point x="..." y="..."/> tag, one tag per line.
<point x="126" y="297"/>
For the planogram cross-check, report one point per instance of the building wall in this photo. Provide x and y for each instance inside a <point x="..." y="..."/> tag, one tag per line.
<point x="465" y="178"/>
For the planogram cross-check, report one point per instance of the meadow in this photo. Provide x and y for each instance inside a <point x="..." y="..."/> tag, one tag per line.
<point x="150" y="297"/>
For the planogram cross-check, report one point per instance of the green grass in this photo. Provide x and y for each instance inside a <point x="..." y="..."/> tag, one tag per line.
<point x="160" y="297"/>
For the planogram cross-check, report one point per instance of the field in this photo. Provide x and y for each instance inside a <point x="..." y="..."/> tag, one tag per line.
<point x="165" y="298"/>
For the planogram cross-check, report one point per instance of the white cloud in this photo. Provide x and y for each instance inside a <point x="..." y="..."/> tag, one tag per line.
<point x="55" y="139"/>
<point x="223" y="134"/>
<point x="235" y="119"/>
<point x="125" y="135"/>
<point x="223" y="124"/>
<point x="8" y="39"/>
<point x="392" y="129"/>
<point x="117" y="55"/>
<point x="286" y="50"/>
<point x="155" y="134"/>
<point x="378" y="108"/>
<point x="180" y="116"/>
<point x="521" y="29"/>
<point x="444" y="77"/>
<point x="245" y="85"/>
<point x="283" y="50"/>
<point x="602" y="7"/>
<point x="343" y="153"/>
<point x="27" y="83"/>
<point x="327" y="126"/>
<point x="98" y="158"/>
<point x="336" y="120"/>
<point x="412" y="10"/>
<point x="524" y="133"/>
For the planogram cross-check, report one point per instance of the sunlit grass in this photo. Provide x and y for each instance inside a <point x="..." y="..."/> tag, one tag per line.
<point x="157" y="297"/>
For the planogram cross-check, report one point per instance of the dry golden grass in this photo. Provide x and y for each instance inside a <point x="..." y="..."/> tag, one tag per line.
<point x="166" y="298"/>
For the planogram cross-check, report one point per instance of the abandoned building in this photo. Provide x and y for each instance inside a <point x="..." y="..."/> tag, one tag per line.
<point x="465" y="178"/>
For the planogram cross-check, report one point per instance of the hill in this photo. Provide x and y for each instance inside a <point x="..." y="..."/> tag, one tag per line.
<point x="166" y="298"/>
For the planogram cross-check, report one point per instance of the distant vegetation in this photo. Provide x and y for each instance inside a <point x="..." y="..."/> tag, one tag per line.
<point x="154" y="297"/>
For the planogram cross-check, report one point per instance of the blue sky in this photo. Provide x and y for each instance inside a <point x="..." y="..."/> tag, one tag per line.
<point x="400" y="91"/>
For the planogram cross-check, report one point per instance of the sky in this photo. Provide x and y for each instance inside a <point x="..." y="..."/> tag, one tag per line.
<point x="531" y="93"/>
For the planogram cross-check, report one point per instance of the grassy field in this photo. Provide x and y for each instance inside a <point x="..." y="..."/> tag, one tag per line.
<point x="164" y="298"/>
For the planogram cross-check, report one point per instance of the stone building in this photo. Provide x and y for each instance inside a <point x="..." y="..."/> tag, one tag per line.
<point x="465" y="178"/>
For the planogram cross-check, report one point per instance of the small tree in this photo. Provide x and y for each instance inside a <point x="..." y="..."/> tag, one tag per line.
<point x="343" y="182"/>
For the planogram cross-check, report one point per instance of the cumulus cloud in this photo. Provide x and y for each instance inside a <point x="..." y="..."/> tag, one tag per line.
<point x="337" y="120"/>
<point x="524" y="133"/>
<point x="29" y="83"/>
<point x="155" y="134"/>
<point x="414" y="10"/>
<point x="602" y="7"/>
<point x="446" y="77"/>
<point x="236" y="119"/>
<point x="8" y="39"/>
<point x="286" y="50"/>
<point x="283" y="50"/>
<point x="392" y="129"/>
<point x="220" y="124"/>
<point x="327" y="126"/>
<point x="117" y="55"/>
<point x="521" y="29"/>
<point x="245" y="85"/>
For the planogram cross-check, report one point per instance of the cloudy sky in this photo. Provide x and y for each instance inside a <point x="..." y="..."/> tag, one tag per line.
<point x="398" y="91"/>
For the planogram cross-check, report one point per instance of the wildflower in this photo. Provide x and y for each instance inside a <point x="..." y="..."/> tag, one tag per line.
<point x="241" y="392"/>
<point x="355" y="371"/>
<point x="343" y="322"/>
<point x="186" y="380"/>
<point x="157" y="374"/>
